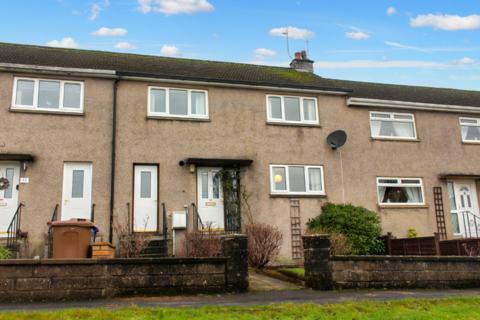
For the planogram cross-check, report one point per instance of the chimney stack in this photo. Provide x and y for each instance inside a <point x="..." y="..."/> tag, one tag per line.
<point x="301" y="62"/>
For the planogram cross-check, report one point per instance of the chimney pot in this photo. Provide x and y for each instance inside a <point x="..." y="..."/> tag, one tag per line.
<point x="301" y="62"/>
<point x="298" y="55"/>
<point x="304" y="54"/>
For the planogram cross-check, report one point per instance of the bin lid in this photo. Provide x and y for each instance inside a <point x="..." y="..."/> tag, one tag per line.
<point x="74" y="222"/>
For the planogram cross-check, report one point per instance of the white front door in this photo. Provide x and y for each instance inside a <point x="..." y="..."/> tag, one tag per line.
<point x="145" y="207"/>
<point x="210" y="198"/>
<point x="77" y="190"/>
<point x="8" y="196"/>
<point x="464" y="208"/>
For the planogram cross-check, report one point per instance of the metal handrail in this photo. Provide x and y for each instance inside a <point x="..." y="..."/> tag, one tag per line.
<point x="165" y="229"/>
<point x="14" y="228"/>
<point x="477" y="225"/>
<point x="50" y="233"/>
<point x="196" y="220"/>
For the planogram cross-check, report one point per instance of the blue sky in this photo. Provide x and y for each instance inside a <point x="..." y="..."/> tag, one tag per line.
<point x="424" y="43"/>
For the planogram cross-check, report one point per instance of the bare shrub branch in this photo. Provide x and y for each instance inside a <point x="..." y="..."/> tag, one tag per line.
<point x="339" y="245"/>
<point x="204" y="243"/>
<point x="472" y="251"/>
<point x="130" y="244"/>
<point x="264" y="244"/>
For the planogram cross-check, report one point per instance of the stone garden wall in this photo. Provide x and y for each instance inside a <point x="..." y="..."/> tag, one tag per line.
<point x="326" y="272"/>
<point x="80" y="279"/>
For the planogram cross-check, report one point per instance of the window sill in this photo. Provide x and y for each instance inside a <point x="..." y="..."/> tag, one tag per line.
<point x="471" y="142"/>
<point x="65" y="113"/>
<point x="178" y="118"/>
<point x="415" y="206"/>
<point x="394" y="139"/>
<point x="288" y="124"/>
<point x="312" y="196"/>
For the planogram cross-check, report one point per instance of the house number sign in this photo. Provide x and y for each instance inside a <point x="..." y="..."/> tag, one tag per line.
<point x="24" y="180"/>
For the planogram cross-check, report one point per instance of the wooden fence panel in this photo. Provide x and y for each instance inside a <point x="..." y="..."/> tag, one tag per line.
<point x="426" y="246"/>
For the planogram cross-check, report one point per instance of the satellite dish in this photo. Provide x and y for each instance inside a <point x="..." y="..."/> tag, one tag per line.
<point x="337" y="139"/>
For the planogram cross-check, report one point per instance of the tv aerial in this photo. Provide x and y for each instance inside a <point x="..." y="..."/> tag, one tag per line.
<point x="337" y="139"/>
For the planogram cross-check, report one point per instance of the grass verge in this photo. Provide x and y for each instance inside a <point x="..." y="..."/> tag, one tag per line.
<point x="449" y="308"/>
<point x="298" y="273"/>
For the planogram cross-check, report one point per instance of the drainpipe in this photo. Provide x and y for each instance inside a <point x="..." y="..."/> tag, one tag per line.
<point x="114" y="129"/>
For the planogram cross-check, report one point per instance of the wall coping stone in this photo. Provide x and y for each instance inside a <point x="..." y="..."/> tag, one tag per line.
<point x="19" y="261"/>
<point x="68" y="261"/>
<point x="404" y="258"/>
<point x="161" y="260"/>
<point x="321" y="236"/>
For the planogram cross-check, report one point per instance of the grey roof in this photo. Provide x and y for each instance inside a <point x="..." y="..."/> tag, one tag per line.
<point x="225" y="71"/>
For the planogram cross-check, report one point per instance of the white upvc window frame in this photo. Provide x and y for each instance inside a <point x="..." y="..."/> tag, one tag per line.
<point x="36" y="87"/>
<point x="287" y="182"/>
<point x="302" y="116"/>
<point x="167" y="114"/>
<point x="401" y="185"/>
<point x="392" y="119"/>
<point x="470" y="124"/>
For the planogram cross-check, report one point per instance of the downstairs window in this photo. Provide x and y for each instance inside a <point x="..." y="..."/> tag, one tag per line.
<point x="400" y="191"/>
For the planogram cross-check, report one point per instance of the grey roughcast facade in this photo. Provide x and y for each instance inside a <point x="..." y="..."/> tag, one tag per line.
<point x="110" y="133"/>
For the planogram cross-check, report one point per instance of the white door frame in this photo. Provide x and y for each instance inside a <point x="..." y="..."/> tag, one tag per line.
<point x="217" y="218"/>
<point x="9" y="207"/>
<point x="67" y="197"/>
<point x="153" y="223"/>
<point x="475" y="207"/>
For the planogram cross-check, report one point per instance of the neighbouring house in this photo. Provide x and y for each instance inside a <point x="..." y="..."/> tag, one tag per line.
<point x="86" y="131"/>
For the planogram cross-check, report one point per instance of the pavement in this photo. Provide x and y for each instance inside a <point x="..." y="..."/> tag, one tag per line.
<point x="264" y="291"/>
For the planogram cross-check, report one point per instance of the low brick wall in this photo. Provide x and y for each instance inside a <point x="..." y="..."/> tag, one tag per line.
<point x="79" y="279"/>
<point x="326" y="272"/>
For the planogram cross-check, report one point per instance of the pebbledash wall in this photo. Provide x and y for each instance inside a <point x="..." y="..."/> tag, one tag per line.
<point x="326" y="272"/>
<point x="78" y="279"/>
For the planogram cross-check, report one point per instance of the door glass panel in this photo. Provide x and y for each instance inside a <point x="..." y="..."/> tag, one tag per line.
<point x="216" y="186"/>
<point x="204" y="185"/>
<point x="157" y="100"/>
<point x="296" y="178"/>
<point x="71" y="96"/>
<point x="468" y="201"/>
<point x="77" y="183"/>
<point x="292" y="109"/>
<point x="275" y="107"/>
<point x="309" y="110"/>
<point x="451" y="196"/>
<point x="146" y="184"/>
<point x="49" y="95"/>
<point x="279" y="179"/>
<point x="25" y="93"/>
<point x="456" y="225"/>
<point x="314" y="179"/>
<point x="462" y="201"/>
<point x="198" y="103"/>
<point x="8" y="191"/>
<point x="178" y="102"/>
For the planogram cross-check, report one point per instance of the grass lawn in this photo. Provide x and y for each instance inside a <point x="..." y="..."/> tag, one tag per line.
<point x="450" y="308"/>
<point x="298" y="271"/>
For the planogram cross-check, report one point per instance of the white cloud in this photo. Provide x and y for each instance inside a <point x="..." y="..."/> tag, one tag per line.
<point x="95" y="11"/>
<point x="388" y="63"/>
<point x="293" y="33"/>
<point x="266" y="52"/>
<point x="75" y="12"/>
<point x="464" y="61"/>
<point x="391" y="11"/>
<point x="357" y="35"/>
<point x="65" y="43"/>
<point x="260" y="57"/>
<point x="124" y="45"/>
<point x="170" y="51"/>
<point x="215" y="35"/>
<point x="175" y="6"/>
<point x="446" y="22"/>
<point x="107" y="3"/>
<point x="386" y="59"/>
<point x="109" y="32"/>
<point x="405" y="47"/>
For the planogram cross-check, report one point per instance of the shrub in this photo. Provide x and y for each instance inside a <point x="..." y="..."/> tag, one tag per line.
<point x="130" y="244"/>
<point x="412" y="233"/>
<point x="362" y="227"/>
<point x="339" y="244"/>
<point x="4" y="253"/>
<point x="264" y="243"/>
<point x="204" y="243"/>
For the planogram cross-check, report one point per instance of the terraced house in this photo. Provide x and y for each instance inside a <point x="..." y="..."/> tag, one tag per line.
<point x="113" y="133"/>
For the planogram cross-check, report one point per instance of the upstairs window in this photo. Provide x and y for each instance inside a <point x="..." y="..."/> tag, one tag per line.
<point x="180" y="103"/>
<point x="47" y="95"/>
<point x="296" y="179"/>
<point x="400" y="191"/>
<point x="292" y="109"/>
<point x="392" y="125"/>
<point x="470" y="128"/>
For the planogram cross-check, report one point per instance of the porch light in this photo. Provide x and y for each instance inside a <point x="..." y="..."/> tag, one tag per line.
<point x="278" y="178"/>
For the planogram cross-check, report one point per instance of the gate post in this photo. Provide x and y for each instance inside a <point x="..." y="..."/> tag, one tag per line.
<point x="318" y="268"/>
<point x="234" y="248"/>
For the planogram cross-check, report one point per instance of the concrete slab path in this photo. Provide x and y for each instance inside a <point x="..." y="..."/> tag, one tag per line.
<point x="260" y="282"/>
